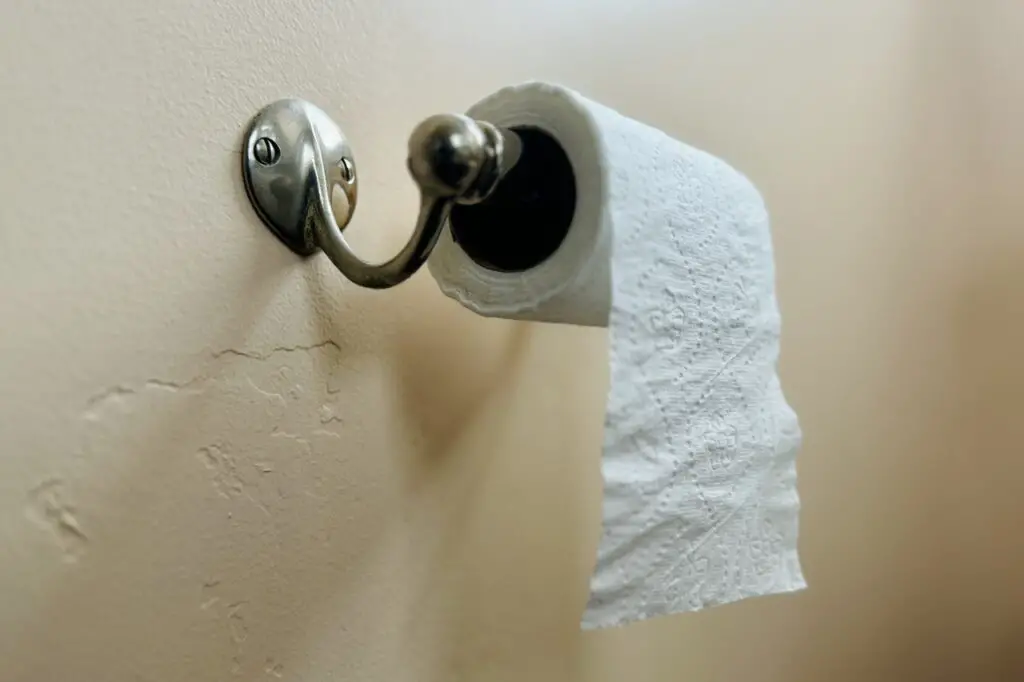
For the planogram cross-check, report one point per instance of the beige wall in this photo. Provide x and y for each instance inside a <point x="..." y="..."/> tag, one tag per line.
<point x="219" y="461"/>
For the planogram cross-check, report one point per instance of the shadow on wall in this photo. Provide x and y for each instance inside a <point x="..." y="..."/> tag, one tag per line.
<point x="265" y="486"/>
<point x="985" y="432"/>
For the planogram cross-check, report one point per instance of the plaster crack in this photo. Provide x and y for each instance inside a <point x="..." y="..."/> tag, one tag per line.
<point x="120" y="392"/>
<point x="300" y="348"/>
<point x="48" y="507"/>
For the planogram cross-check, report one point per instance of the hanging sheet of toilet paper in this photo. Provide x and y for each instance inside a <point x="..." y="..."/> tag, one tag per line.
<point x="670" y="248"/>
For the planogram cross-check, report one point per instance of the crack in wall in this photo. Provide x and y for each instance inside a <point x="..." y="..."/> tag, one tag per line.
<point x="120" y="392"/>
<point x="48" y="505"/>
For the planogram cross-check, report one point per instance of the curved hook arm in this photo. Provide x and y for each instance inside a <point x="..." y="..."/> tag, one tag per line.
<point x="432" y="216"/>
<point x="453" y="159"/>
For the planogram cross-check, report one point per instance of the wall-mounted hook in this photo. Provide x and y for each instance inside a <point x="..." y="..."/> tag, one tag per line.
<point x="301" y="177"/>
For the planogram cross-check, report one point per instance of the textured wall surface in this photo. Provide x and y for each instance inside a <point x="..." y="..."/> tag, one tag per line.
<point x="218" y="461"/>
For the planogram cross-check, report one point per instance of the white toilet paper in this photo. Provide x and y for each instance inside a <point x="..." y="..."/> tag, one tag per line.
<point x="671" y="248"/>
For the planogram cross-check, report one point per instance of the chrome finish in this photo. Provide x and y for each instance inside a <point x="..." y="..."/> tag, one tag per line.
<point x="285" y="193"/>
<point x="306" y="192"/>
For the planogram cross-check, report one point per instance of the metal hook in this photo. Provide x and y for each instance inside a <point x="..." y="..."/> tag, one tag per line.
<point x="300" y="175"/>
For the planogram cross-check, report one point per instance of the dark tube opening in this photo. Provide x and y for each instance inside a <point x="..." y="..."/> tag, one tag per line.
<point x="528" y="215"/>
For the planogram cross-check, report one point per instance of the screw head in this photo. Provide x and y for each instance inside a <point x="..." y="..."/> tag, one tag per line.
<point x="266" y="152"/>
<point x="348" y="170"/>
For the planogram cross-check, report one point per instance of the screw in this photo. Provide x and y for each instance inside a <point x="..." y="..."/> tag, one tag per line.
<point x="348" y="171"/>
<point x="266" y="151"/>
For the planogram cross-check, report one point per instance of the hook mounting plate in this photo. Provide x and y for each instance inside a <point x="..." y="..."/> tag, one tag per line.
<point x="279" y="170"/>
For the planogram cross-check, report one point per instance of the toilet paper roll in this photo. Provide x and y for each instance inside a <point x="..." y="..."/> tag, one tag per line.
<point x="670" y="248"/>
